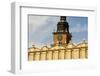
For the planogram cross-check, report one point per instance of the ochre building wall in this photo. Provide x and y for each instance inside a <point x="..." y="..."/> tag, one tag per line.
<point x="71" y="51"/>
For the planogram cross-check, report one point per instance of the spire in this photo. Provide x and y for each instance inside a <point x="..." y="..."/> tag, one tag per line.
<point x="62" y="35"/>
<point x="63" y="25"/>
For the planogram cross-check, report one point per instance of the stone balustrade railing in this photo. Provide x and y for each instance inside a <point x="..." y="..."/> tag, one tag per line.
<point x="58" y="53"/>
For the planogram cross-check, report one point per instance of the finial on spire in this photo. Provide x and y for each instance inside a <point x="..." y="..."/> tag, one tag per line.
<point x="62" y="18"/>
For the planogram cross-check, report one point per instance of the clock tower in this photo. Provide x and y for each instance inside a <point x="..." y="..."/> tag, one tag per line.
<point x="62" y="35"/>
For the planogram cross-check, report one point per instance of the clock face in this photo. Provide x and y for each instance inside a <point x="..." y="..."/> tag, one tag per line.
<point x="59" y="37"/>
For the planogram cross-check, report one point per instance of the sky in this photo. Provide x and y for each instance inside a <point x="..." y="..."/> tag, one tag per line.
<point x="40" y="29"/>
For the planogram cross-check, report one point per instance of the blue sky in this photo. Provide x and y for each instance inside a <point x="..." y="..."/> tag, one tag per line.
<point x="41" y="29"/>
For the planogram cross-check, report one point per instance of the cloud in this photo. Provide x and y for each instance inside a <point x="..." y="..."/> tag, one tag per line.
<point x="36" y="21"/>
<point x="79" y="28"/>
<point x="40" y="31"/>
